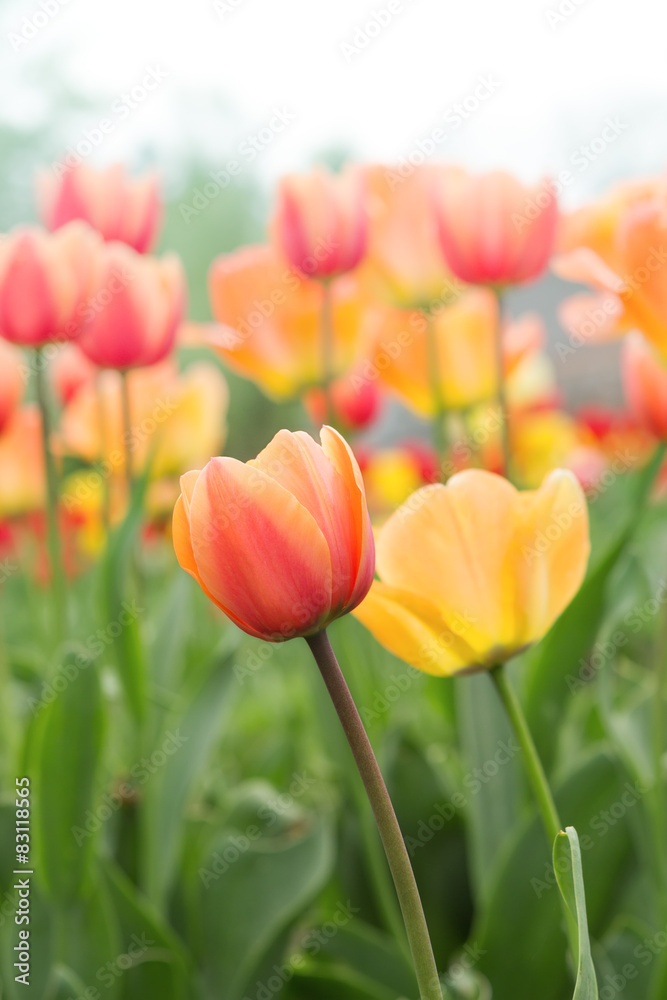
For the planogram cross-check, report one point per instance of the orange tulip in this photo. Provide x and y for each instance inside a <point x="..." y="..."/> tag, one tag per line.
<point x="117" y="206"/>
<point x="404" y="264"/>
<point x="473" y="572"/>
<point x="46" y="280"/>
<point x="136" y="310"/>
<point x="615" y="246"/>
<point x="320" y="221"/>
<point x="22" y="483"/>
<point x="493" y="229"/>
<point x="282" y="544"/>
<point x="645" y="382"/>
<point x="12" y="381"/>
<point x="271" y="321"/>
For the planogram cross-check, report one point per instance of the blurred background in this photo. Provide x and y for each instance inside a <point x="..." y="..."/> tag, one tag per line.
<point x="223" y="96"/>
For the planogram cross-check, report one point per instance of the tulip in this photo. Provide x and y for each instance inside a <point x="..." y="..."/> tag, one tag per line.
<point x="136" y="312"/>
<point x="645" y="382"/>
<point x="282" y="544"/>
<point x="269" y="320"/>
<point x="118" y="207"/>
<point x="404" y="264"/>
<point x="355" y="402"/>
<point x="494" y="230"/>
<point x="12" y="381"/>
<point x="473" y="572"/>
<point x="320" y="221"/>
<point x="46" y="280"/>
<point x="22" y="483"/>
<point x="70" y="372"/>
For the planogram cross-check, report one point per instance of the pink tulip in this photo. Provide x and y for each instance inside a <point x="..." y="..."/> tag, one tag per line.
<point x="493" y="230"/>
<point x="117" y="206"/>
<point x="137" y="309"/>
<point x="320" y="222"/>
<point x="70" y="371"/>
<point x="46" y="280"/>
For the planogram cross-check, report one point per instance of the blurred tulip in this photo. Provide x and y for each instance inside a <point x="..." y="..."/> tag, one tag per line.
<point x="117" y="206"/>
<point x="320" y="221"/>
<point x="270" y="321"/>
<point x="493" y="229"/>
<point x="645" y="382"/>
<point x="22" y="483"/>
<point x="46" y="280"/>
<point x="178" y="419"/>
<point x="12" y="381"/>
<point x="70" y="371"/>
<point x="282" y="544"/>
<point x="355" y="402"/>
<point x="137" y="311"/>
<point x="391" y="475"/>
<point x="543" y="441"/>
<point x="404" y="263"/>
<point x="473" y="572"/>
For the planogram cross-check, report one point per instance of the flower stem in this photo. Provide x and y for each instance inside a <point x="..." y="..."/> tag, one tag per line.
<point x="127" y="433"/>
<point x="327" y="342"/>
<point x="440" y="436"/>
<point x="58" y="586"/>
<point x="101" y="415"/>
<point x="538" y="780"/>
<point x="505" y="436"/>
<point x="659" y="829"/>
<point x="385" y="817"/>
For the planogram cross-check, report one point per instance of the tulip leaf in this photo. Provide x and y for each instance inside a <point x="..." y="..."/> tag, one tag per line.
<point x="68" y="747"/>
<point x="570" y="877"/>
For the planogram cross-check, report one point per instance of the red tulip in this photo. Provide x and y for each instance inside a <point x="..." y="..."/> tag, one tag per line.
<point x="320" y="222"/>
<point x="117" y="206"/>
<point x="45" y="283"/>
<point x="12" y="382"/>
<point x="283" y="544"/>
<point x="137" y="309"/>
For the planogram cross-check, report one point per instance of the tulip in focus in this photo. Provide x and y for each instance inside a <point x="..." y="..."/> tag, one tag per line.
<point x="283" y="543"/>
<point x="137" y="308"/>
<point x="46" y="281"/>
<point x="645" y="382"/>
<point x="320" y="221"/>
<point x="493" y="229"/>
<point x="117" y="206"/>
<point x="12" y="381"/>
<point x="473" y="572"/>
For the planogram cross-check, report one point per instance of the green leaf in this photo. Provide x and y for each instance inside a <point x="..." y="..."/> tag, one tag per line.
<point x="68" y="749"/>
<point x="570" y="877"/>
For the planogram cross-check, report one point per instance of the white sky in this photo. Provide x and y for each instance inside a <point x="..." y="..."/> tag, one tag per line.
<point x="555" y="85"/>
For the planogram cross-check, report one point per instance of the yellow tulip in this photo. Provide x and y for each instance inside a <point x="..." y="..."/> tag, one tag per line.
<point x="473" y="572"/>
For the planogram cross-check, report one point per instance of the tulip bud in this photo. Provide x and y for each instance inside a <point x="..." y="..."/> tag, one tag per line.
<point x="320" y="221"/>
<point x="117" y="206"/>
<point x="45" y="283"/>
<point x="282" y="544"/>
<point x="138" y="305"/>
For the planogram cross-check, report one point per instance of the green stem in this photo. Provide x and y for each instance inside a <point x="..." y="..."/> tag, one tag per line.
<point x="440" y="436"/>
<point x="385" y="817"/>
<point x="505" y="434"/>
<point x="327" y="356"/>
<point x="58" y="585"/>
<point x="538" y="780"/>
<point x="660" y="830"/>
<point x="101" y="416"/>
<point x="127" y="433"/>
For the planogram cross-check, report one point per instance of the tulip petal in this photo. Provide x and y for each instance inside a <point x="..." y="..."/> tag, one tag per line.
<point x="258" y="551"/>
<point x="413" y="629"/>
